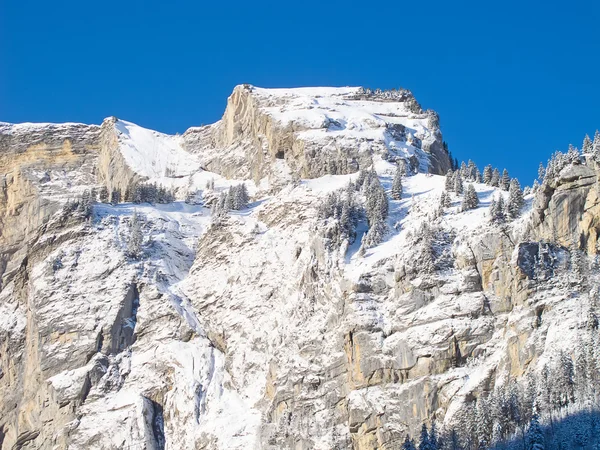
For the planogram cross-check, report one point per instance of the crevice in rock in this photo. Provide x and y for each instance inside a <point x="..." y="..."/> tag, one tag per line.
<point x="158" y="425"/>
<point x="85" y="389"/>
<point x="122" y="332"/>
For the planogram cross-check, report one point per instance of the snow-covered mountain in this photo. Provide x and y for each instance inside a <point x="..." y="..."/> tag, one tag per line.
<point x="278" y="325"/>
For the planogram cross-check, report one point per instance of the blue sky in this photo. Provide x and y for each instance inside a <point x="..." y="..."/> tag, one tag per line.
<point x="512" y="81"/>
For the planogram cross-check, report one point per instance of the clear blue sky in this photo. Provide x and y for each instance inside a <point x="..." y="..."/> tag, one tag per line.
<point x="512" y="81"/>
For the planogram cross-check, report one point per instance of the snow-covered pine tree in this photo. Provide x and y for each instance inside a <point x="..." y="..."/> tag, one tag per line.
<point x="586" y="147"/>
<point x="115" y="196"/>
<point x="375" y="234"/>
<point x="453" y="442"/>
<point x="103" y="196"/>
<point x="515" y="199"/>
<point x="243" y="195"/>
<point x="487" y="174"/>
<point x="471" y="171"/>
<point x="541" y="173"/>
<point x="576" y="260"/>
<point x="464" y="171"/>
<point x="497" y="210"/>
<point x="483" y="422"/>
<point x="85" y="204"/>
<point x="424" y="443"/>
<point x="376" y="204"/>
<point x="470" y="200"/>
<point x="505" y="180"/>
<point x="478" y="176"/>
<point x="449" y="181"/>
<point x="564" y="382"/>
<point x="581" y="374"/>
<point x="535" y="435"/>
<point x="500" y="216"/>
<point x="495" y="181"/>
<point x="408" y="444"/>
<point x="134" y="244"/>
<point x="229" y="197"/>
<point x="128" y="195"/>
<point x="442" y="204"/>
<point x="573" y="156"/>
<point x="433" y="437"/>
<point x="447" y="200"/>
<point x="458" y="183"/>
<point x="596" y="146"/>
<point x="397" y="185"/>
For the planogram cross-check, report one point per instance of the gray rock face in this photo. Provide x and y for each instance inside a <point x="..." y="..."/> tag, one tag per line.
<point x="566" y="209"/>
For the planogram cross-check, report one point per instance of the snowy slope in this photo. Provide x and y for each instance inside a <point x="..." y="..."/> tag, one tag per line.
<point x="152" y="154"/>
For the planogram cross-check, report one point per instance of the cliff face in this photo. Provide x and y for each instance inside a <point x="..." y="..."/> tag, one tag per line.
<point x="316" y="131"/>
<point x="263" y="332"/>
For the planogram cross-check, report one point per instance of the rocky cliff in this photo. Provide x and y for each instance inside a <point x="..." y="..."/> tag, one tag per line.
<point x="261" y="331"/>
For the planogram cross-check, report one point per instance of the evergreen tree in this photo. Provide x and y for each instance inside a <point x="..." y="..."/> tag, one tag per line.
<point x="573" y="156"/>
<point x="535" y="435"/>
<point x="376" y="202"/>
<point x="128" y="195"/>
<point x="576" y="259"/>
<point x="115" y="196"/>
<point x="134" y="244"/>
<point x="442" y="204"/>
<point x="85" y="204"/>
<point x="408" y="444"/>
<point x="495" y="181"/>
<point x="484" y="423"/>
<point x="238" y="197"/>
<point x="458" y="183"/>
<point x="449" y="181"/>
<point x="497" y="210"/>
<point x="447" y="200"/>
<point x="397" y="185"/>
<point x="478" y="176"/>
<point x="433" y="437"/>
<point x="541" y="173"/>
<point x="564" y="383"/>
<point x="375" y="234"/>
<point x="424" y="443"/>
<point x="464" y="171"/>
<point x="505" y="180"/>
<point x="487" y="174"/>
<point x="470" y="200"/>
<point x="586" y="147"/>
<point x="472" y="171"/>
<point x="596" y="146"/>
<point x="103" y="194"/>
<point x="453" y="441"/>
<point x="515" y="199"/>
<point x="229" y="198"/>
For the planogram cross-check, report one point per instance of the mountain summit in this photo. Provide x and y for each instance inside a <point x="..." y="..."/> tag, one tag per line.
<point x="313" y="271"/>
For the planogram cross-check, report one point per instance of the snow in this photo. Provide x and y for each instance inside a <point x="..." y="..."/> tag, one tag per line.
<point x="322" y="114"/>
<point x="155" y="155"/>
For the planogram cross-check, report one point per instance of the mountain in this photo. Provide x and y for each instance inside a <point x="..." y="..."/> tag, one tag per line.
<point x="326" y="310"/>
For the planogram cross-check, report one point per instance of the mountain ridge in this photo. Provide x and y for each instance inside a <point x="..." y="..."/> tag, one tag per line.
<point x="271" y="324"/>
